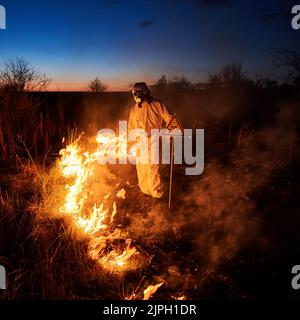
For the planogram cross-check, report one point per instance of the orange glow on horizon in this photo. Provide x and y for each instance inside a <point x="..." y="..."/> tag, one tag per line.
<point x="82" y="86"/>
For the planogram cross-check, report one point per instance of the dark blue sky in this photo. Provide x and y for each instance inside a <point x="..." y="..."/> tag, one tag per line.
<point x="133" y="40"/>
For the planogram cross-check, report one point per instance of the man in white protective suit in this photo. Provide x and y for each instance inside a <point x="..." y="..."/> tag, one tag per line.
<point x="148" y="113"/>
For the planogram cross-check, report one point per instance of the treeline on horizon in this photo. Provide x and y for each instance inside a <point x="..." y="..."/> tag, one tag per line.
<point x="33" y="123"/>
<point x="19" y="75"/>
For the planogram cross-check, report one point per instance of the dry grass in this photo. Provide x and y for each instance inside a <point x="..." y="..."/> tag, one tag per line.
<point x="25" y="121"/>
<point x="215" y="229"/>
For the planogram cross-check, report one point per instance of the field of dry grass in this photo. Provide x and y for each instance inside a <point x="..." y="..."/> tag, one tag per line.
<point x="231" y="232"/>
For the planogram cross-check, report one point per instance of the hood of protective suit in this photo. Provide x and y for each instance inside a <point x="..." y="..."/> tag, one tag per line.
<point x="142" y="86"/>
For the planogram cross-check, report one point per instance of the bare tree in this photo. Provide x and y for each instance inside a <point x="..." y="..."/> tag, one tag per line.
<point x="231" y="74"/>
<point x="289" y="59"/>
<point x="161" y="84"/>
<point x="215" y="80"/>
<point x="162" y="81"/>
<point x="180" y="83"/>
<point x="97" y="86"/>
<point x="20" y="76"/>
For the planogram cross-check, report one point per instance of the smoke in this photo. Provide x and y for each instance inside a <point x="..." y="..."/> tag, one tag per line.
<point x="217" y="215"/>
<point x="220" y="213"/>
<point x="104" y="110"/>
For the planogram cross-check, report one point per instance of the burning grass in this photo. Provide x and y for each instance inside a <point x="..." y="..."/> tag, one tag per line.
<point x="78" y="200"/>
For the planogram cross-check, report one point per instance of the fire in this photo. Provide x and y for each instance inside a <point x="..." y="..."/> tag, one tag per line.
<point x="92" y="213"/>
<point x="114" y="147"/>
<point x="180" y="296"/>
<point x="93" y="219"/>
<point x="121" y="194"/>
<point x="118" y="261"/>
<point x="151" y="290"/>
<point x="94" y="222"/>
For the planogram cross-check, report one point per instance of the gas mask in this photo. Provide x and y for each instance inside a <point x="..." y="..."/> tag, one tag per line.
<point x="138" y="96"/>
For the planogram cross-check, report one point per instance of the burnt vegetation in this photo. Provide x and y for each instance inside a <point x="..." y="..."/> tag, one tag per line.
<point x="231" y="233"/>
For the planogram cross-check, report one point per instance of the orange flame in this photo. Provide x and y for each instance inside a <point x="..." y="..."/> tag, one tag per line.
<point x="180" y="296"/>
<point x="93" y="221"/>
<point x="151" y="290"/>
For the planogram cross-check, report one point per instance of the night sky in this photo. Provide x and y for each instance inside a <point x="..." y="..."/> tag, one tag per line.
<point x="135" y="40"/>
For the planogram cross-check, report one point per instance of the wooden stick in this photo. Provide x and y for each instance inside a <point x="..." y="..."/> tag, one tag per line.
<point x="171" y="171"/>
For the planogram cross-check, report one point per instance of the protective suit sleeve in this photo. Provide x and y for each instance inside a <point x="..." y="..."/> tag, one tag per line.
<point x="165" y="113"/>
